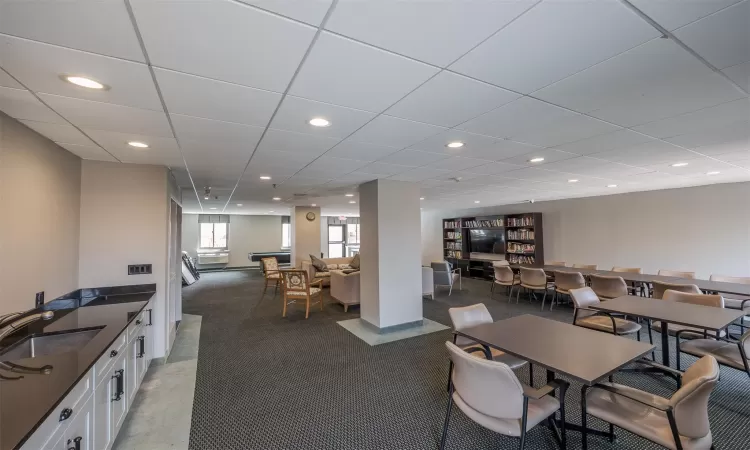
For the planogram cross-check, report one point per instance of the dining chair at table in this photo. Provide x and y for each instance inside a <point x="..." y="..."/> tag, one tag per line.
<point x="731" y="353"/>
<point x="716" y="301"/>
<point x="677" y="274"/>
<point x="586" y="317"/>
<point x="660" y="287"/>
<point x="635" y="286"/>
<point x="490" y="394"/>
<point x="504" y="277"/>
<point x="586" y="266"/>
<point x="556" y="263"/>
<point x="678" y="422"/>
<point x="271" y="274"/>
<point x="533" y="280"/>
<point x="564" y="282"/>
<point x="735" y="301"/>
<point x="608" y="287"/>
<point x="296" y="286"/>
<point x="470" y="316"/>
<point x="444" y="275"/>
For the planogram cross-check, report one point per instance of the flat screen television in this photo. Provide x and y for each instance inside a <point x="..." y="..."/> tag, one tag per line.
<point x="487" y="241"/>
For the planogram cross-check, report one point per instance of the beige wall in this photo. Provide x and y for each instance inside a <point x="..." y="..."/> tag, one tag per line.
<point x="704" y="229"/>
<point x="40" y="185"/>
<point x="305" y="234"/>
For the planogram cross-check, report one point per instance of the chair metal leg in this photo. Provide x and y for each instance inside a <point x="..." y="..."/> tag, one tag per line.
<point x="524" y="420"/>
<point x="450" y="290"/>
<point x="544" y="298"/>
<point x="447" y="417"/>
<point x="651" y="339"/>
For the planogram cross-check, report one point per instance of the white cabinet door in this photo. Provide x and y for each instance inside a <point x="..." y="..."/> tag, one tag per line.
<point x="119" y="392"/>
<point x="132" y="371"/>
<point x="103" y="395"/>
<point x="78" y="435"/>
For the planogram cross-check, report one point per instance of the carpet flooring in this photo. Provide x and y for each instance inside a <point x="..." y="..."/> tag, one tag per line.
<point x="267" y="382"/>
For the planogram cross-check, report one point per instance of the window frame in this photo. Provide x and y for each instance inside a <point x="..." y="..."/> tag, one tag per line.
<point x="289" y="234"/>
<point x="213" y="232"/>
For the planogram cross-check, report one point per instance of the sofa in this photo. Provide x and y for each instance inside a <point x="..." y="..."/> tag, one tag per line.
<point x="332" y="263"/>
<point x="345" y="288"/>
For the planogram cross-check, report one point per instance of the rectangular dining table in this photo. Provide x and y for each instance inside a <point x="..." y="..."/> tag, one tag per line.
<point x="665" y="311"/>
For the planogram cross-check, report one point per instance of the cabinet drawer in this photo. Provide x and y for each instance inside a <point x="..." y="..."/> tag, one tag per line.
<point x="140" y="321"/>
<point x="109" y="356"/>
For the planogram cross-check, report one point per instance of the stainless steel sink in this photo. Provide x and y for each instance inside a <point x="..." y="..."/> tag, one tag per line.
<point x="48" y="344"/>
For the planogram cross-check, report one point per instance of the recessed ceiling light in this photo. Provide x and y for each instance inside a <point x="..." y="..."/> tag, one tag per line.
<point x="137" y="144"/>
<point x="611" y="185"/>
<point x="277" y="198"/>
<point x="211" y="208"/>
<point x="314" y="204"/>
<point x="270" y="211"/>
<point x="421" y="198"/>
<point x="265" y="177"/>
<point x="349" y="195"/>
<point x="476" y="201"/>
<point x="83" y="82"/>
<point x="239" y="204"/>
<point x="680" y="164"/>
<point x="573" y="181"/>
<point x="715" y="172"/>
<point x="455" y="144"/>
<point x="352" y="201"/>
<point x="535" y="160"/>
<point x="205" y="198"/>
<point x="319" y="122"/>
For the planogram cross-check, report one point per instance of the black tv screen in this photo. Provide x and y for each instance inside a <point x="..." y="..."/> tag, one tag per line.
<point x="487" y="241"/>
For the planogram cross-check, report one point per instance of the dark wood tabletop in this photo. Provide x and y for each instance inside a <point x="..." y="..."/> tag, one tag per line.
<point x="586" y="355"/>
<point x="708" y="317"/>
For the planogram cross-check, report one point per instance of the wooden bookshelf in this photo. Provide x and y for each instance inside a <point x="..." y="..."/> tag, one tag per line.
<point x="524" y="239"/>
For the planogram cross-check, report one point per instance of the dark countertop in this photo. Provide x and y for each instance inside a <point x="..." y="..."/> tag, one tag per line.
<point x="25" y="403"/>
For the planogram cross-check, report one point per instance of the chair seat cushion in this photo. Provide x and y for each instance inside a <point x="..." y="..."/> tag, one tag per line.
<point x="604" y="323"/>
<point x="638" y="418"/>
<point x="313" y="291"/>
<point x="322" y="274"/>
<point x="273" y="276"/>
<point x="724" y="352"/>
<point x="498" y="355"/>
<point x="674" y="328"/>
<point x="508" y="283"/>
<point x="538" y="411"/>
<point x="736" y="302"/>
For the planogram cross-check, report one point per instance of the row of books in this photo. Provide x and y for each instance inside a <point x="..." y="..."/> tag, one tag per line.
<point x="453" y="245"/>
<point x="520" y="221"/>
<point x="483" y="223"/>
<point x="520" y="259"/>
<point x="524" y="235"/>
<point x="453" y="254"/>
<point x="516" y="247"/>
<point x="452" y="224"/>
<point x="453" y="235"/>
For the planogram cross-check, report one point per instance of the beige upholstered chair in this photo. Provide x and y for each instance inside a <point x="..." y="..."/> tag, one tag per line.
<point x="564" y="282"/>
<point x="607" y="287"/>
<point x="635" y="286"/>
<point x="501" y="262"/>
<point x="533" y="280"/>
<point x="677" y="274"/>
<point x="345" y="288"/>
<point x="731" y="300"/>
<point x="298" y="287"/>
<point x="585" y="266"/>
<point x="716" y="301"/>
<point x="556" y="263"/>
<point x="471" y="316"/>
<point x="490" y="394"/>
<point x="505" y="277"/>
<point x="729" y="353"/>
<point x="271" y="274"/>
<point x="627" y="269"/>
<point x="443" y="275"/>
<point x="585" y="316"/>
<point x="682" y="419"/>
<point x="660" y="287"/>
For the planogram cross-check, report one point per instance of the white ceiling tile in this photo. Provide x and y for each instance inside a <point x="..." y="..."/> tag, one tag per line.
<point x="568" y="128"/>
<point x="494" y="168"/>
<point x="457" y="163"/>
<point x="339" y="165"/>
<point x="202" y="97"/>
<point x="59" y="132"/>
<point x="413" y="158"/>
<point x="40" y="66"/>
<point x="7" y="81"/>
<point x="549" y="156"/>
<point x="295" y="113"/>
<point x="434" y="32"/>
<point x="294" y="161"/>
<point x="723" y="38"/>
<point x="216" y="131"/>
<point x="161" y="150"/>
<point x="674" y="14"/>
<point x="309" y="11"/>
<point x="392" y="132"/>
<point x="515" y="118"/>
<point x="383" y="169"/>
<point x="337" y="69"/>
<point x="108" y="116"/>
<point x="419" y="174"/>
<point x="727" y="150"/>
<point x="21" y="104"/>
<point x="651" y="82"/>
<point x="239" y="43"/>
<point x="88" y="152"/>
<point x="738" y="131"/>
<point x="695" y="167"/>
<point x="552" y="41"/>
<point x="288" y="141"/>
<point x="475" y="146"/>
<point x="650" y="153"/>
<point x="573" y="165"/>
<point x="450" y="99"/>
<point x="96" y="26"/>
<point x="703" y="119"/>
<point x="300" y="181"/>
<point x="740" y="74"/>
<point x="360" y="150"/>
<point x="356" y="177"/>
<point x="603" y="142"/>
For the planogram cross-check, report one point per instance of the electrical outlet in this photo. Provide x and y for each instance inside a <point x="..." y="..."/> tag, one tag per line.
<point x="39" y="300"/>
<point x="139" y="269"/>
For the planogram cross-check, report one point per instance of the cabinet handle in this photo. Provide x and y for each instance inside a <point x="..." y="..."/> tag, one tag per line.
<point x="141" y="347"/>
<point x="119" y="387"/>
<point x="113" y="353"/>
<point x="76" y="442"/>
<point x="65" y="414"/>
<point x="149" y="317"/>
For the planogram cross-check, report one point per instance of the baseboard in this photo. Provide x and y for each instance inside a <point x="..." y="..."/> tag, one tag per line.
<point x="392" y="328"/>
<point x="227" y="269"/>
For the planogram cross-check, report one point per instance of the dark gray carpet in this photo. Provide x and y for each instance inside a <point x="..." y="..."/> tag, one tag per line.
<point x="265" y="382"/>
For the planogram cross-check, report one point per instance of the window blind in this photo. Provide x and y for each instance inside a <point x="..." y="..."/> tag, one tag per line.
<point x="213" y="218"/>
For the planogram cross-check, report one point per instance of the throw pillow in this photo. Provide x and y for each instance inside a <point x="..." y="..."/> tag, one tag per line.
<point x="355" y="262"/>
<point x="344" y="266"/>
<point x="318" y="263"/>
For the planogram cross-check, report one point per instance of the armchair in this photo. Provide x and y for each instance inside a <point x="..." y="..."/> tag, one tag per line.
<point x="444" y="275"/>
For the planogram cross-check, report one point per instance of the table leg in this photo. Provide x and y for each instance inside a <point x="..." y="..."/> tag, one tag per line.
<point x="665" y="343"/>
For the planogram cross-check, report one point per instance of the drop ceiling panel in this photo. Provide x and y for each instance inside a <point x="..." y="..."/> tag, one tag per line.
<point x="295" y="113"/>
<point x="558" y="39"/>
<point x="652" y="82"/>
<point x="276" y="172"/>
<point x="383" y="170"/>
<point x="308" y="11"/>
<point x="696" y="167"/>
<point x="160" y="151"/>
<point x="88" y="152"/>
<point x="84" y="25"/>
<point x="360" y="150"/>
<point x="723" y="38"/>
<point x="568" y="128"/>
<point x="494" y="168"/>
<point x="414" y="158"/>
<point x="674" y="14"/>
<point x="204" y="154"/>
<point x="287" y="141"/>
<point x="740" y="74"/>
<point x="339" y="165"/>
<point x="549" y="156"/>
<point x="434" y="32"/>
<point x="59" y="132"/>
<point x="718" y="116"/>
<point x="39" y="67"/>
<point x="457" y="163"/>
<point x="305" y="182"/>
<point x="474" y="144"/>
<point x="202" y="97"/>
<point x="515" y="118"/>
<point x="419" y="174"/>
<point x="293" y="161"/>
<point x="603" y="142"/>
<point x="647" y="154"/>
<point x="337" y="69"/>
<point x="356" y="178"/>
<point x="21" y="104"/>
<point x="7" y="81"/>
<point x="392" y="132"/>
<point x="239" y="43"/>
<point x="207" y="130"/>
<point x="449" y="99"/>
<point x="738" y="132"/>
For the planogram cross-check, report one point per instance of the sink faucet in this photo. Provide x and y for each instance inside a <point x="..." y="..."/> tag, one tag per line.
<point x="14" y="321"/>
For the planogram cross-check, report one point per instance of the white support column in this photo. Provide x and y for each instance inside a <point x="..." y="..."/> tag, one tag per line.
<point x="305" y="234"/>
<point x="390" y="254"/>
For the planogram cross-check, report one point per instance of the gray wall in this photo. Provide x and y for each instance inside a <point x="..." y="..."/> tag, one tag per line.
<point x="704" y="229"/>
<point x="40" y="186"/>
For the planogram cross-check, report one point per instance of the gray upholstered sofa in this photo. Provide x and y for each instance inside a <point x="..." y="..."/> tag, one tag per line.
<point x="333" y="264"/>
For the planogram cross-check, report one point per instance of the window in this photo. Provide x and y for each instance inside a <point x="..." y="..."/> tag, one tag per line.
<point x="214" y="235"/>
<point x="352" y="233"/>
<point x="335" y="241"/>
<point x="286" y="235"/>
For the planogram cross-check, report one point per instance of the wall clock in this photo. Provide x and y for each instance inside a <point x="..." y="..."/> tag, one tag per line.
<point x="310" y="216"/>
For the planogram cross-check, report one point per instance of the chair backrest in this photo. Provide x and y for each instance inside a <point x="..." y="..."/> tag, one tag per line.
<point x="489" y="387"/>
<point x="677" y="274"/>
<point x="696" y="299"/>
<point x="745" y="343"/>
<point x="585" y="266"/>
<point x="610" y="287"/>
<point x="726" y="279"/>
<point x="467" y="317"/>
<point x="660" y="287"/>
<point x="442" y="273"/>
<point x="556" y="263"/>
<point x="440" y="266"/>
<point x="270" y="265"/>
<point x="504" y="274"/>
<point x="533" y="277"/>
<point x="583" y="298"/>
<point x="500" y="263"/>
<point x="295" y="280"/>
<point x="569" y="280"/>
<point x="627" y="269"/>
<point x="690" y="402"/>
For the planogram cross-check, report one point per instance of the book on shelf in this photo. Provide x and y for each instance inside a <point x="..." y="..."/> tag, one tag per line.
<point x="523" y="235"/>
<point x="517" y="247"/>
<point x="490" y="223"/>
<point x="453" y="245"/>
<point x="453" y="235"/>
<point x="527" y="221"/>
<point x="453" y="254"/>
<point x="451" y="224"/>
<point x="520" y="259"/>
